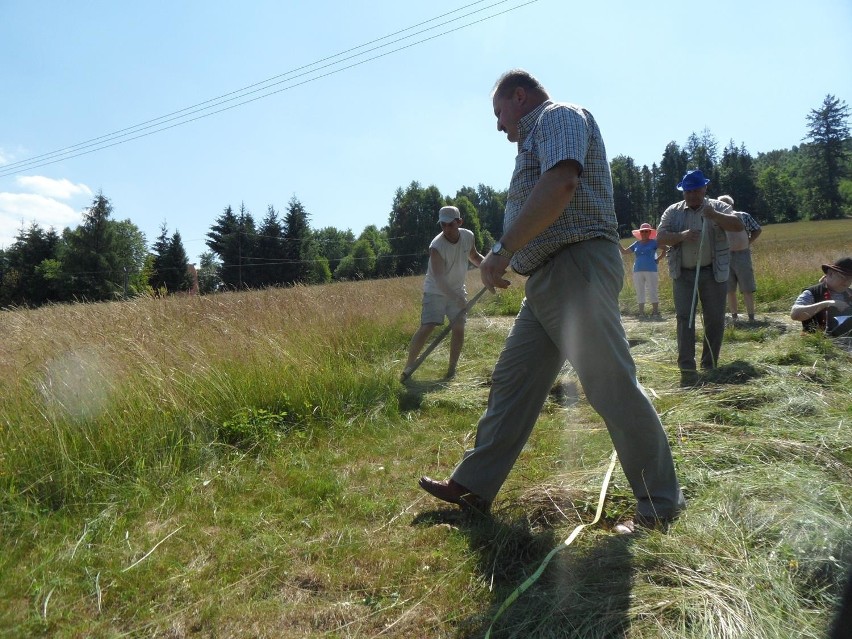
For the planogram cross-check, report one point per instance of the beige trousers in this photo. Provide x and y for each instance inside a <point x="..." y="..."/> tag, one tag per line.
<point x="571" y="312"/>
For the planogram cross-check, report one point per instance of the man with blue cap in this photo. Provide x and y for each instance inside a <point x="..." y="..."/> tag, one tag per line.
<point x="699" y="261"/>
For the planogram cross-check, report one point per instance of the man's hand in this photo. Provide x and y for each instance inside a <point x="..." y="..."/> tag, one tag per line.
<point x="690" y="235"/>
<point x="725" y="221"/>
<point x="491" y="271"/>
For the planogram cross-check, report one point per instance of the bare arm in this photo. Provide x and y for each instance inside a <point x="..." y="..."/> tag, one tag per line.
<point x="475" y="257"/>
<point x="754" y="235"/>
<point x="807" y="311"/>
<point x="549" y="197"/>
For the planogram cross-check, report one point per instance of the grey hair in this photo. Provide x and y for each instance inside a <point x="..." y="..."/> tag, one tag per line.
<point x="727" y="199"/>
<point x="518" y="78"/>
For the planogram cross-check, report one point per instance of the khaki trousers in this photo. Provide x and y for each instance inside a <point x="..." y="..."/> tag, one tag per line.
<point x="571" y="312"/>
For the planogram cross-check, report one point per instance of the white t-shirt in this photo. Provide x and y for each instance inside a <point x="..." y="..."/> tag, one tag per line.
<point x="455" y="258"/>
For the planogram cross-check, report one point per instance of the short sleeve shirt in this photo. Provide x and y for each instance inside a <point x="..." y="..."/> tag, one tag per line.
<point x="455" y="258"/>
<point x="843" y="299"/>
<point x="549" y="134"/>
<point x="738" y="240"/>
<point x="679" y="217"/>
<point x="646" y="254"/>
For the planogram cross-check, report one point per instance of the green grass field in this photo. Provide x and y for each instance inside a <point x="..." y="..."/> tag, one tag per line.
<point x="246" y="464"/>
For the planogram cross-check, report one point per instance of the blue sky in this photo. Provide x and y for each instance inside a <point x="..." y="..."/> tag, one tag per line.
<point x="650" y="72"/>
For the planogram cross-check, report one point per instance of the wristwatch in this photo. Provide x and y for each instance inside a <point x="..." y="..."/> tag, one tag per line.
<point x="499" y="249"/>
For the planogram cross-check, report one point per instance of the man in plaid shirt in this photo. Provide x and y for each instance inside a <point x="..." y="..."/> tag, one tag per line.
<point x="741" y="270"/>
<point x="560" y="230"/>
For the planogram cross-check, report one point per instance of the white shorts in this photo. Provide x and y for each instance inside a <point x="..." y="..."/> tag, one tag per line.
<point x="649" y="280"/>
<point x="436" y="307"/>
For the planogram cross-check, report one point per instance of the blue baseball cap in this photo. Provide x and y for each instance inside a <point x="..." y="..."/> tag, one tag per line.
<point x="693" y="180"/>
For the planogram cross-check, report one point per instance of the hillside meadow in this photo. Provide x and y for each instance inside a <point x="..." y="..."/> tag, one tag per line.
<point x="245" y="465"/>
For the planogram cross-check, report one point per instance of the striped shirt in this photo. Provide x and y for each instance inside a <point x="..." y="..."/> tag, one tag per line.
<point x="549" y="134"/>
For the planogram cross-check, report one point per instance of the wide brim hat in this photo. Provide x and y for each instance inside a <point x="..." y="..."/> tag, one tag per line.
<point x="448" y="214"/>
<point x="637" y="233"/>
<point x="842" y="266"/>
<point x="693" y="180"/>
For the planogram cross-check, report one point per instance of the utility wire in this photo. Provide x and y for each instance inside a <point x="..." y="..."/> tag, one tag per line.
<point x="180" y="117"/>
<point x="218" y="99"/>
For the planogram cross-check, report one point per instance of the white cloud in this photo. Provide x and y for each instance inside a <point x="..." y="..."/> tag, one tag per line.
<point x="22" y="209"/>
<point x="62" y="189"/>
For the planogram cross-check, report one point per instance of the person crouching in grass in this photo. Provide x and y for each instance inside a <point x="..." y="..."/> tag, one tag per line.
<point x="827" y="305"/>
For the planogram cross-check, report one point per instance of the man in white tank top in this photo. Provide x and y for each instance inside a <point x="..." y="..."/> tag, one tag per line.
<point x="444" y="293"/>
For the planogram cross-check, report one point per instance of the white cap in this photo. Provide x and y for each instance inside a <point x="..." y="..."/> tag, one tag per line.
<point x="448" y="214"/>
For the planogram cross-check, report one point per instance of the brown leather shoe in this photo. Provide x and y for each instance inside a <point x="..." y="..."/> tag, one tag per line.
<point x="454" y="493"/>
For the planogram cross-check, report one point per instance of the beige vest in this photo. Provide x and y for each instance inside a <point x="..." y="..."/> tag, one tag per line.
<point x="713" y="233"/>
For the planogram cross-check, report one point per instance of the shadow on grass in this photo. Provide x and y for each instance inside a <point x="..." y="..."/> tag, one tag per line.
<point x="583" y="592"/>
<point x="737" y="372"/>
<point x="413" y="392"/>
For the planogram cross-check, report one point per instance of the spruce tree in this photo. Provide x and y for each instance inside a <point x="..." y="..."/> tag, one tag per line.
<point x="296" y="232"/>
<point x="828" y="131"/>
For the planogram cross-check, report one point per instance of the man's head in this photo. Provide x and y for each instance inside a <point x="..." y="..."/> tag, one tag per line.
<point x="515" y="94"/>
<point x="838" y="276"/>
<point x="694" y="187"/>
<point x="727" y="199"/>
<point x="450" y="220"/>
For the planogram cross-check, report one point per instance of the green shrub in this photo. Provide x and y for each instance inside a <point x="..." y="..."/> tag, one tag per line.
<point x="253" y="427"/>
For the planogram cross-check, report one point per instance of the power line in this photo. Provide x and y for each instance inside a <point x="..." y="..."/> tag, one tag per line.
<point x="221" y="97"/>
<point x="181" y="116"/>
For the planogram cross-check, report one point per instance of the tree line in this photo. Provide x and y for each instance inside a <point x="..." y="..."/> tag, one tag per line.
<point x="105" y="259"/>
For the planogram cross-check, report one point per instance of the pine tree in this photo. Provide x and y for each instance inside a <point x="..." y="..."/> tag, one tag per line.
<point x="233" y="238"/>
<point x="270" y="250"/>
<point x="672" y="169"/>
<point x="737" y="178"/>
<point x="23" y="283"/>
<point x="296" y="232"/>
<point x="828" y="131"/>
<point x="91" y="266"/>
<point x="177" y="266"/>
<point x="159" y="254"/>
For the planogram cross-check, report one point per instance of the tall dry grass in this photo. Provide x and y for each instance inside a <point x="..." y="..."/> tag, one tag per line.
<point x="102" y="393"/>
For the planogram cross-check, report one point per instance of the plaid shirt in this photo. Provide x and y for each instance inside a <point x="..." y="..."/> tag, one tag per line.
<point x="549" y="134"/>
<point x="749" y="222"/>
